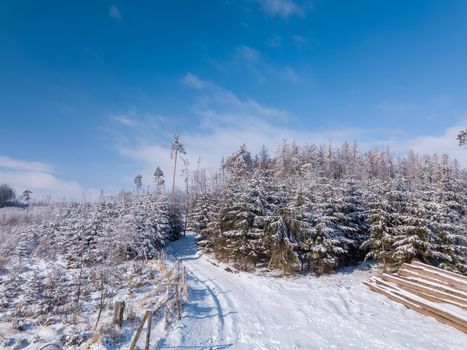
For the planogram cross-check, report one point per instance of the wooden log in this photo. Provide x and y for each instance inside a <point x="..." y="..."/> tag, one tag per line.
<point x="405" y="284"/>
<point x="420" y="294"/>
<point x="138" y="332"/>
<point x="414" y="274"/>
<point x="441" y="271"/>
<point x="418" y="307"/>
<point x="437" y="276"/>
<point x="454" y="317"/>
<point x="429" y="282"/>
<point x="119" y="308"/>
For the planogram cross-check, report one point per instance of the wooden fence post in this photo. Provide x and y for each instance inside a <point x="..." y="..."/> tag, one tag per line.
<point x="119" y="307"/>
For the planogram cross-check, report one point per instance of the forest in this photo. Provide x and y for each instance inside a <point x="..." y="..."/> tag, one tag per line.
<point x="321" y="208"/>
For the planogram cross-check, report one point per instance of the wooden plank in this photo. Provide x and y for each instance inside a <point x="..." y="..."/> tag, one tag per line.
<point x="441" y="271"/>
<point x="420" y="294"/>
<point x="448" y="314"/>
<point x="428" y="282"/>
<point x="416" y="306"/>
<point x="401" y="281"/>
<point x="458" y="278"/>
<point x="437" y="276"/>
<point x="442" y="285"/>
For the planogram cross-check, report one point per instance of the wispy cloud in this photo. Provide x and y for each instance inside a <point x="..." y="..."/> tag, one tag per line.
<point x="225" y="120"/>
<point x="14" y="164"/>
<point x="38" y="177"/>
<point x="282" y="8"/>
<point x="114" y="13"/>
<point x="274" y="41"/>
<point x="247" y="53"/>
<point x="125" y="120"/>
<point x="290" y="75"/>
<point x="445" y="142"/>
<point x="193" y="81"/>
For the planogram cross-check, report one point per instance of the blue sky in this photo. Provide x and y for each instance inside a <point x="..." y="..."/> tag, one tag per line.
<point x="91" y="91"/>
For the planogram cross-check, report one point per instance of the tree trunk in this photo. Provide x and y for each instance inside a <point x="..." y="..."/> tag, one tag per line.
<point x="186" y="210"/>
<point x="385" y="264"/>
<point x="175" y="170"/>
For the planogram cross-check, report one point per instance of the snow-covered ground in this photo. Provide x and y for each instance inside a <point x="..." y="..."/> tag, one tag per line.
<point x="230" y="310"/>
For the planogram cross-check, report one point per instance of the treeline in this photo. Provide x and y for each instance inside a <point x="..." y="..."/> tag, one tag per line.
<point x="319" y="208"/>
<point x="8" y="197"/>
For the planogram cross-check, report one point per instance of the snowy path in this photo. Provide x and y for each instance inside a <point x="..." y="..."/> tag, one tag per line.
<point x="244" y="311"/>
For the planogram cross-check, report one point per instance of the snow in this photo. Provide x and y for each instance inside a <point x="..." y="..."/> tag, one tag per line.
<point x="239" y="310"/>
<point x="31" y="330"/>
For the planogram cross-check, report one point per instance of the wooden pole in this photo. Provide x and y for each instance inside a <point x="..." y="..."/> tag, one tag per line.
<point x="138" y="332"/>
<point x="177" y="293"/>
<point x="148" y="334"/>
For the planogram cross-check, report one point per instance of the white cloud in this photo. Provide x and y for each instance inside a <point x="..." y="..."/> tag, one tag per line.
<point x="39" y="178"/>
<point x="444" y="142"/>
<point x="125" y="120"/>
<point x="10" y="163"/>
<point x="114" y="13"/>
<point x="193" y="81"/>
<point x="246" y="53"/>
<point x="41" y="183"/>
<point x="282" y="8"/>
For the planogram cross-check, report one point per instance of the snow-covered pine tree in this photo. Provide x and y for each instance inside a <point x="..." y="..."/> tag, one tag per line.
<point x="144" y="242"/>
<point x="229" y="243"/>
<point x="327" y="246"/>
<point x="243" y="224"/>
<point x="380" y="237"/>
<point x="300" y="220"/>
<point x="201" y="219"/>
<point x="239" y="163"/>
<point x="414" y="238"/>
<point x="351" y="219"/>
<point x="452" y="231"/>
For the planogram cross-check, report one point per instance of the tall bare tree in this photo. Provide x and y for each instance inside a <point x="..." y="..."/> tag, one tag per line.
<point x="139" y="183"/>
<point x="159" y="178"/>
<point x="26" y="196"/>
<point x="186" y="174"/>
<point x="462" y="137"/>
<point x="175" y="149"/>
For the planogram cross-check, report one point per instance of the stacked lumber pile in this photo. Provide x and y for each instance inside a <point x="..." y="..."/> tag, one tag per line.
<point x="428" y="290"/>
